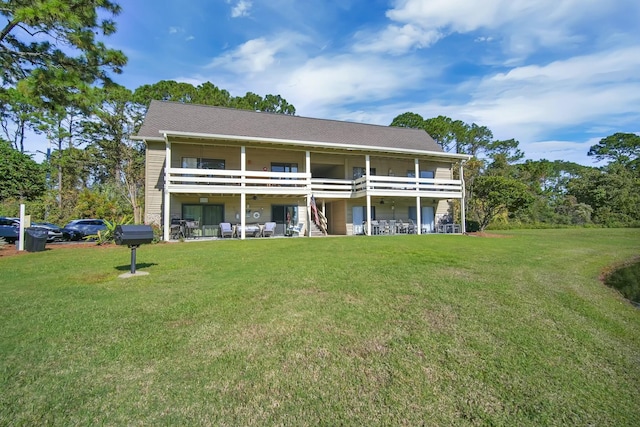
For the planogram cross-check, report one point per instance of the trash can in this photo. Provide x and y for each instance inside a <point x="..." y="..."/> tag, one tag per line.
<point x="35" y="239"/>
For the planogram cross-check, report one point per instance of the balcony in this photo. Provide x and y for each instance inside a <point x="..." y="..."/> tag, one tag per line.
<point x="235" y="182"/>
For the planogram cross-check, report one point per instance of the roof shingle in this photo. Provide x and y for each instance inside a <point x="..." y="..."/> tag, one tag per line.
<point x="202" y="119"/>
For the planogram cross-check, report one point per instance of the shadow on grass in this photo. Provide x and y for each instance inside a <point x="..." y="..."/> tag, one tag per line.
<point x="138" y="265"/>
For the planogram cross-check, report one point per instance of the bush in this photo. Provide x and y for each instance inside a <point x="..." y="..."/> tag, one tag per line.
<point x="108" y="236"/>
<point x="627" y="281"/>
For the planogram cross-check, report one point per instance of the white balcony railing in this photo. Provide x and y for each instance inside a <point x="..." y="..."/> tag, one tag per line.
<point x="182" y="180"/>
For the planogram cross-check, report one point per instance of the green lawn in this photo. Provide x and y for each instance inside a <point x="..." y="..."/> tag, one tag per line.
<point x="389" y="330"/>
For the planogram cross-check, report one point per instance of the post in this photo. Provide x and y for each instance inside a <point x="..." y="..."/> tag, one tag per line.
<point x="243" y="194"/>
<point x="166" y="219"/>
<point x="367" y="166"/>
<point x="463" y="215"/>
<point x="133" y="258"/>
<point x="21" y="231"/>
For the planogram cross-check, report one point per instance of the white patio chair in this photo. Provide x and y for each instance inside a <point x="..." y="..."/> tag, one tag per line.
<point x="226" y="230"/>
<point x="298" y="230"/>
<point x="268" y="229"/>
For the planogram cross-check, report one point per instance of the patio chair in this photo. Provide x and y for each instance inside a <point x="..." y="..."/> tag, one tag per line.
<point x="226" y="230"/>
<point x="411" y="228"/>
<point x="193" y="229"/>
<point x="384" y="226"/>
<point x="177" y="232"/>
<point x="268" y="229"/>
<point x="375" y="227"/>
<point x="298" y="229"/>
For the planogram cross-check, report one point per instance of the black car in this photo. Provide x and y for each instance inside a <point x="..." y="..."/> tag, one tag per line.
<point x="80" y="228"/>
<point x="9" y="228"/>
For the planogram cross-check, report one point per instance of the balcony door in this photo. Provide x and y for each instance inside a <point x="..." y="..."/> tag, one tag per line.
<point x="204" y="214"/>
<point x="285" y="216"/>
<point x="427" y="217"/>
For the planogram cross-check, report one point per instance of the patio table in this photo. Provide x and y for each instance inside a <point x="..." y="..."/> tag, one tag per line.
<point x="253" y="230"/>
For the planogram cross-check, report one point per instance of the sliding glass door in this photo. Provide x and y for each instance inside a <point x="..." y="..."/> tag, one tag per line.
<point x="204" y="214"/>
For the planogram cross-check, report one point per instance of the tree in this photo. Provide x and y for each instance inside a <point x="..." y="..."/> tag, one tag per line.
<point x="471" y="139"/>
<point x="168" y="90"/>
<point x="495" y="195"/>
<point x="622" y="148"/>
<point x="612" y="192"/>
<point x="54" y="42"/>
<point x="408" y="120"/>
<point x="17" y="114"/>
<point x="20" y="176"/>
<point x="441" y="130"/>
<point x="506" y="150"/>
<point x="118" y="160"/>
<point x="209" y="94"/>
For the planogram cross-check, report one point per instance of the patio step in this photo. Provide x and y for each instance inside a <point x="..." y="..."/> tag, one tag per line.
<point x="315" y="231"/>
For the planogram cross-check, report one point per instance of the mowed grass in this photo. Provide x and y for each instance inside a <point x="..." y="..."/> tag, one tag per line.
<point x="397" y="330"/>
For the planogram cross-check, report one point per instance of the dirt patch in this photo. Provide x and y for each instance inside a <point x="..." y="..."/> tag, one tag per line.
<point x="490" y="235"/>
<point x="11" y="249"/>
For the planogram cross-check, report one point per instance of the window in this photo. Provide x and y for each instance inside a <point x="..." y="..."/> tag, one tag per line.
<point x="201" y="163"/>
<point x="284" y="167"/>
<point x="204" y="214"/>
<point x="284" y="214"/>
<point x="358" y="172"/>
<point x="423" y="174"/>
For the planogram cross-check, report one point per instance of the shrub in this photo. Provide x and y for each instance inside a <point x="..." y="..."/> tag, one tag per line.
<point x="108" y="235"/>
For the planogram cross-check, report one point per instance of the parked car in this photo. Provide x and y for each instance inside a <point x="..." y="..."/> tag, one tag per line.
<point x="54" y="233"/>
<point x="80" y="228"/>
<point x="9" y="229"/>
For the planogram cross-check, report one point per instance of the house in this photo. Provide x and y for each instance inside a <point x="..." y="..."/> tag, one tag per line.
<point x="212" y="165"/>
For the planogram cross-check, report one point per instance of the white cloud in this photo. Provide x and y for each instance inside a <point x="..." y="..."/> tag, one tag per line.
<point x="253" y="56"/>
<point x="242" y="8"/>
<point x="396" y="39"/>
<point x="328" y="81"/>
<point x="523" y="25"/>
<point x="572" y="92"/>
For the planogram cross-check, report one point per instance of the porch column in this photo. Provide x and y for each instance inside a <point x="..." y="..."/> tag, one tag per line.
<point x="418" y="216"/>
<point x="243" y="195"/>
<point x="463" y="215"/>
<point x="416" y="163"/>
<point x="308" y="201"/>
<point x="307" y="165"/>
<point x="367" y="164"/>
<point x="166" y="218"/>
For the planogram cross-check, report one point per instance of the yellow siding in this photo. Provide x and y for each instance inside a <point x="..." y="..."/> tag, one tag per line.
<point x="154" y="182"/>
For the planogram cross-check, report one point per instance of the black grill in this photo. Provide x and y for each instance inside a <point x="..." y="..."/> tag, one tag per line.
<point x="133" y="235"/>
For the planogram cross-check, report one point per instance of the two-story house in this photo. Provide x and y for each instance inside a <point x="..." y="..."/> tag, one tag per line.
<point x="214" y="165"/>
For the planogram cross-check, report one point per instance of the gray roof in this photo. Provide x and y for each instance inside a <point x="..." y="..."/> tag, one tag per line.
<point x="207" y="120"/>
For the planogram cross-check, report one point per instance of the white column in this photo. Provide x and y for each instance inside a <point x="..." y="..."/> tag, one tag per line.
<point x="308" y="228"/>
<point x="367" y="164"/>
<point x="166" y="220"/>
<point x="307" y="168"/>
<point x="21" y="228"/>
<point x="418" y="215"/>
<point x="416" y="163"/>
<point x="243" y="195"/>
<point x="463" y="215"/>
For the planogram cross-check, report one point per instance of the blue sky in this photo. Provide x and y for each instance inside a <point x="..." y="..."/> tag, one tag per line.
<point x="557" y="75"/>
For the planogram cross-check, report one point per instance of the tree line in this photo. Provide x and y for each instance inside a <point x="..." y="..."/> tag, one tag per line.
<point x="58" y="82"/>
<point x="503" y="189"/>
